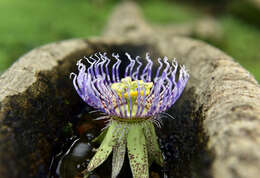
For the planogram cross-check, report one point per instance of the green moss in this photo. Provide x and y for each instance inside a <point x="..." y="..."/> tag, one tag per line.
<point x="34" y="23"/>
<point x="165" y="12"/>
<point x="246" y="10"/>
<point x="4" y="63"/>
<point x="241" y="41"/>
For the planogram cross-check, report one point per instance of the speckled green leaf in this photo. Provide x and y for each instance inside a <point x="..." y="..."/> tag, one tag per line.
<point x="86" y="174"/>
<point x="154" y="152"/>
<point x="119" y="151"/>
<point x="137" y="151"/>
<point x="101" y="136"/>
<point x="104" y="149"/>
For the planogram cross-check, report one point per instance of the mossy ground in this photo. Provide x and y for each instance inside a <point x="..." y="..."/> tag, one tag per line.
<point x="26" y="25"/>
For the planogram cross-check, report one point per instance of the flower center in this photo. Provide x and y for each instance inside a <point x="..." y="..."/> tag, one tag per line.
<point x="135" y="91"/>
<point x="127" y="84"/>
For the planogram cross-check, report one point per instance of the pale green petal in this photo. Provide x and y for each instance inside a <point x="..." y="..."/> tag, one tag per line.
<point x="86" y="174"/>
<point x="137" y="151"/>
<point x="154" y="152"/>
<point x="119" y="152"/>
<point x="104" y="149"/>
<point x="101" y="136"/>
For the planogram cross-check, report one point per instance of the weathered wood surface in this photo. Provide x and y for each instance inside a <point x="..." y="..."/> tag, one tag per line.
<point x="36" y="98"/>
<point x="226" y="95"/>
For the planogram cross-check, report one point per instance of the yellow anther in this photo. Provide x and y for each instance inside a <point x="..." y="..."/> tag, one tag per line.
<point x="127" y="84"/>
<point x="134" y="94"/>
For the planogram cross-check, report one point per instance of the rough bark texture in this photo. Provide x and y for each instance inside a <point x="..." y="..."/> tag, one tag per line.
<point x="228" y="94"/>
<point x="37" y="97"/>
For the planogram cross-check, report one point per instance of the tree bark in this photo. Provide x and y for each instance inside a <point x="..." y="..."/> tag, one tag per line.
<point x="37" y="98"/>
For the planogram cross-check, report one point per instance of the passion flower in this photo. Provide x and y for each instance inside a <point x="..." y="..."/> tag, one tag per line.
<point x="131" y="104"/>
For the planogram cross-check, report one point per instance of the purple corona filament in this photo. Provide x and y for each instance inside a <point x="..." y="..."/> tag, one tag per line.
<point x="93" y="84"/>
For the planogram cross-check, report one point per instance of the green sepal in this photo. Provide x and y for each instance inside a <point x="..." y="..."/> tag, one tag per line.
<point x="104" y="149"/>
<point x="119" y="151"/>
<point x="154" y="151"/>
<point x="100" y="137"/>
<point x="86" y="174"/>
<point x="137" y="151"/>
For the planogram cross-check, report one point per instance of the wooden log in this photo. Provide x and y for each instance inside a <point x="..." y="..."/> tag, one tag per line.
<point x="36" y="100"/>
<point x="228" y="95"/>
<point x="37" y="97"/>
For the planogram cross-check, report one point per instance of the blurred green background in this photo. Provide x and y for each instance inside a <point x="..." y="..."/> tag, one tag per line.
<point x="27" y="24"/>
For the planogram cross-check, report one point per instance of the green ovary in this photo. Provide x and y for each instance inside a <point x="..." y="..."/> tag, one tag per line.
<point x="141" y="143"/>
